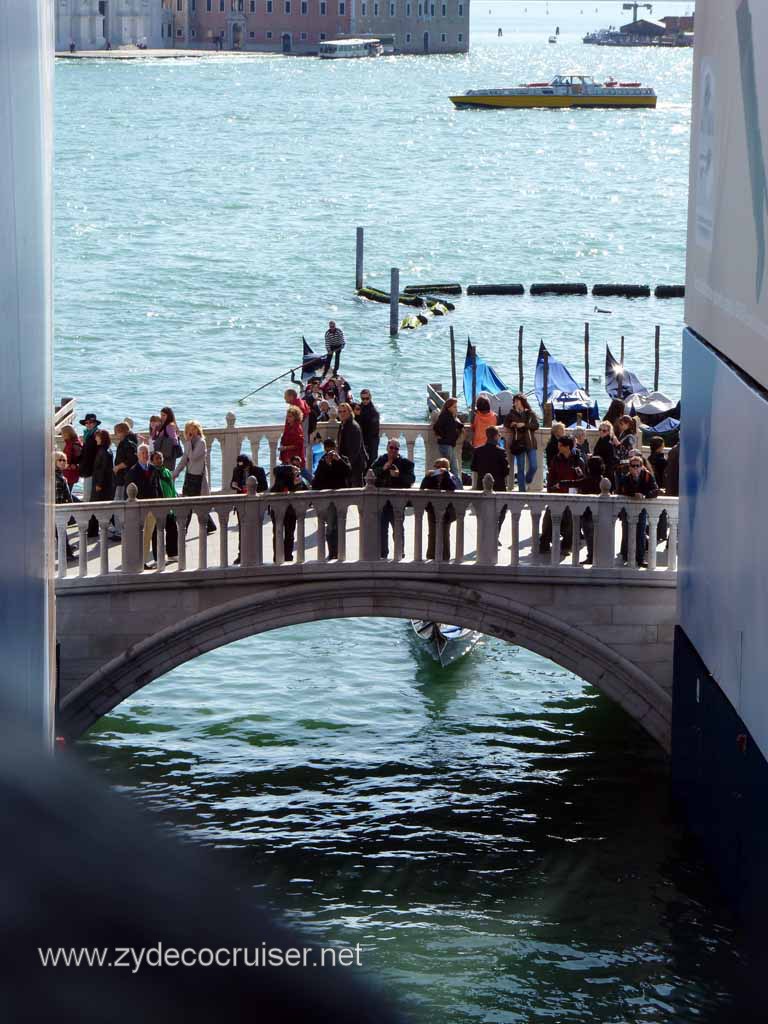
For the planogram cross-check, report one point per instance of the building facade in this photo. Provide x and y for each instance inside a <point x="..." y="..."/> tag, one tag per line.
<point x="299" y="26"/>
<point x="91" y="24"/>
<point x="720" y="707"/>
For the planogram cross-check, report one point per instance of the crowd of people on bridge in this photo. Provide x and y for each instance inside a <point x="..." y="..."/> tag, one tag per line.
<point x="105" y="464"/>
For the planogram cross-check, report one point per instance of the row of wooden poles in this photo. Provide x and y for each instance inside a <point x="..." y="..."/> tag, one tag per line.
<point x="521" y="388"/>
<point x="394" y="323"/>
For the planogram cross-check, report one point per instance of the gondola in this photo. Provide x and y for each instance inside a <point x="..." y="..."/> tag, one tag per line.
<point x="569" y="402"/>
<point x="652" y="407"/>
<point x="444" y="642"/>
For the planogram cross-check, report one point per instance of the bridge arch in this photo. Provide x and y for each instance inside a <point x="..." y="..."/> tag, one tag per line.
<point x="267" y="608"/>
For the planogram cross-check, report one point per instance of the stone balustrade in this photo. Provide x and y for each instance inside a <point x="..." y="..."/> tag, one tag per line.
<point x="493" y="531"/>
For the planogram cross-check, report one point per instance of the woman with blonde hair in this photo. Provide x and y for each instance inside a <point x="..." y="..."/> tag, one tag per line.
<point x="292" y="441"/>
<point x="195" y="461"/>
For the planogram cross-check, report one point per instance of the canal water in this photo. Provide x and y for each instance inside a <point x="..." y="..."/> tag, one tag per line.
<point x="497" y="836"/>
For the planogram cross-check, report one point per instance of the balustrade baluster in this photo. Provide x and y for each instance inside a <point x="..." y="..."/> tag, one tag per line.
<point x="514" y="548"/>
<point x="438" y="510"/>
<point x="322" y="520"/>
<point x="82" y="549"/>
<point x="272" y="442"/>
<point x="161" y="520"/>
<point x="61" y="571"/>
<point x="418" y="533"/>
<point x="103" y="546"/>
<point x="342" y="527"/>
<point x="557" y="519"/>
<point x="202" y="539"/>
<point x="535" y="535"/>
<point x="222" y="514"/>
<point x="277" y="534"/>
<point x="399" y="547"/>
<point x="576" y="538"/>
<point x="459" y="555"/>
<point x="182" y="521"/>
<point x="653" y="525"/>
<point x="632" y="515"/>
<point x="256" y="520"/>
<point x="672" y="541"/>
<point x="301" y="522"/>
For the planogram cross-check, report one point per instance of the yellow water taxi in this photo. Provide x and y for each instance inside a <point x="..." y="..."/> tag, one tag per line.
<point x="570" y="90"/>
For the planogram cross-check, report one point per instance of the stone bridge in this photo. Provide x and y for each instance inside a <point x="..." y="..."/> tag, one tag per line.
<point x="121" y="625"/>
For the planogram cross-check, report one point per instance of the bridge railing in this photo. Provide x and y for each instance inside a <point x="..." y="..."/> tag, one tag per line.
<point x="504" y="530"/>
<point x="261" y="444"/>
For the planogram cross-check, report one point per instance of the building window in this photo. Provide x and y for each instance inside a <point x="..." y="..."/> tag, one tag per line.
<point x="303" y="35"/>
<point x="269" y="6"/>
<point x="363" y="8"/>
<point x="420" y="10"/>
<point x="342" y="8"/>
<point x="179" y="33"/>
<point x="208" y="5"/>
<point x="193" y="34"/>
<point x="287" y="7"/>
<point x="322" y="9"/>
<point x="407" y="37"/>
<point x="407" y="10"/>
<point x="460" y="37"/>
<point x="269" y="35"/>
<point x="375" y="10"/>
<point x="442" y="37"/>
<point x="221" y="6"/>
<point x="391" y="10"/>
<point x="193" y="6"/>
<point x="253" y="6"/>
<point x="179" y="5"/>
<point x="322" y="36"/>
<point x="461" y="10"/>
<point x="444" y="10"/>
<point x="252" y="35"/>
<point x="432" y="10"/>
<point x="304" y="7"/>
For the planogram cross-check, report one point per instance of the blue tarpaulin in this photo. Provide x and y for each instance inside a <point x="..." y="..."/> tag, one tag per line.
<point x="567" y="398"/>
<point x="486" y="377"/>
<point x="558" y="377"/>
<point x="619" y="381"/>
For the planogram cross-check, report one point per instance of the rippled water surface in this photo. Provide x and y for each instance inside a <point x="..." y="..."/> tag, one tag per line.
<point x="497" y="836"/>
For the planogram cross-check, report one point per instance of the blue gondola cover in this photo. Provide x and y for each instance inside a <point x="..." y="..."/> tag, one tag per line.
<point x="486" y="378"/>
<point x="619" y="381"/>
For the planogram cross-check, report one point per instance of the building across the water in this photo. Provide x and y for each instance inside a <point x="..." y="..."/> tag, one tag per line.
<point x="92" y="24"/>
<point x="299" y="26"/>
<point x="668" y="31"/>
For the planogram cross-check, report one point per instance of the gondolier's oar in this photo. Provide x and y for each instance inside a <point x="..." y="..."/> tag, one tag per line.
<point x="244" y="399"/>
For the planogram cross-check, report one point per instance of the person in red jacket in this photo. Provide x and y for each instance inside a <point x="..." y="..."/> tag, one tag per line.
<point x="292" y="441"/>
<point x="563" y="475"/>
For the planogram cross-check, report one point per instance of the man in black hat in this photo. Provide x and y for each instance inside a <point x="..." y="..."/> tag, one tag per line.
<point x="88" y="456"/>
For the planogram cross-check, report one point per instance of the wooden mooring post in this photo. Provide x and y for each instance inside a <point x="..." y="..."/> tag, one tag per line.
<point x="394" y="299"/>
<point x="359" y="258"/>
<point x="545" y="392"/>
<point x="520" y="357"/>
<point x="586" y="357"/>
<point x="657" y="348"/>
<point x="474" y="376"/>
<point x="621" y="351"/>
<point x="453" y="362"/>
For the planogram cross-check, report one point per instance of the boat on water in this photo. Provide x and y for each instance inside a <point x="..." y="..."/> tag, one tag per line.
<point x="570" y="90"/>
<point x="554" y="383"/>
<point x="553" y="39"/>
<point x="444" y="642"/>
<point x="349" y="48"/>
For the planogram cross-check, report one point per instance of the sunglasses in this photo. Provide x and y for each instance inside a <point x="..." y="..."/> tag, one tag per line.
<point x="635" y="465"/>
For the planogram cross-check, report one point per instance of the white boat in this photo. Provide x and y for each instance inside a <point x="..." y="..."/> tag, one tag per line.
<point x="346" y="48"/>
<point x="553" y="39"/>
<point x="444" y="642"/>
<point x="564" y="91"/>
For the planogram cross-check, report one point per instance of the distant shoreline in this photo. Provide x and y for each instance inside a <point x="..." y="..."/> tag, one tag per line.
<point x="162" y="54"/>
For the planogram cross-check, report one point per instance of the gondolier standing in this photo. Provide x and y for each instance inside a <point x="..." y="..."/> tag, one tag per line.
<point x="334" y="343"/>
